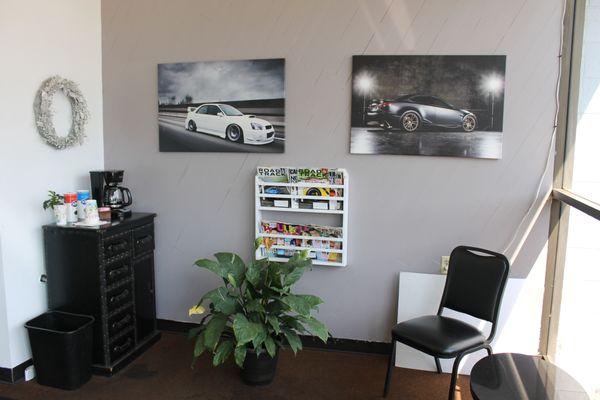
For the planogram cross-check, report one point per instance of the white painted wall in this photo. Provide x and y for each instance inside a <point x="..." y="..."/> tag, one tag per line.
<point x="39" y="39"/>
<point x="205" y="201"/>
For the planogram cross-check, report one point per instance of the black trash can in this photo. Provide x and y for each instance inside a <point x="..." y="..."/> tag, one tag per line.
<point x="61" y="344"/>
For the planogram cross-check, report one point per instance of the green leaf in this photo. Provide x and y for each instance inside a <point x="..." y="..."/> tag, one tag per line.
<point x="233" y="265"/>
<point x="274" y="322"/>
<point x="274" y="274"/>
<point x="214" y="329"/>
<point x="223" y="351"/>
<point x="231" y="280"/>
<point x="260" y="336"/>
<point x="212" y="266"/>
<point x="302" y="303"/>
<point x="318" y="328"/>
<point x="240" y="355"/>
<point x="195" y="331"/>
<point x="255" y="306"/>
<point x="293" y="340"/>
<point x="313" y="301"/>
<point x="257" y="243"/>
<point x="293" y="277"/>
<point x="253" y="273"/>
<point x="297" y="261"/>
<point x="243" y="329"/>
<point x="222" y="300"/>
<point x="300" y="259"/>
<point x="271" y="347"/>
<point x="293" y="323"/>
<point x="199" y="347"/>
<point x="246" y="331"/>
<point x="277" y="307"/>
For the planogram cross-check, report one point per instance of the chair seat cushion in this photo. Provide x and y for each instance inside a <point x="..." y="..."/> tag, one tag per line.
<point x="437" y="335"/>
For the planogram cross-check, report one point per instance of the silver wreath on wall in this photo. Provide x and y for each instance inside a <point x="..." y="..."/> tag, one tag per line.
<point x="44" y="112"/>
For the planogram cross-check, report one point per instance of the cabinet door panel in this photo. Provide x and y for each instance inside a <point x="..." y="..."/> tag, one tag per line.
<point x="145" y="309"/>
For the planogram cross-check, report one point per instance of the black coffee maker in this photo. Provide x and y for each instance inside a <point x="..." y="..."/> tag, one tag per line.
<point x="107" y="192"/>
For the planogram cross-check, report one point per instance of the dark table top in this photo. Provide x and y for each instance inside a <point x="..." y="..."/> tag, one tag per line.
<point x="136" y="217"/>
<point x="508" y="376"/>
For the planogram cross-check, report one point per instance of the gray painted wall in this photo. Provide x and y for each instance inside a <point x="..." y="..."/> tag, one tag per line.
<point x="205" y="201"/>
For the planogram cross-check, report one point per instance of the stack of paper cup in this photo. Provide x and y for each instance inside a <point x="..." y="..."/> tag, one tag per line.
<point x="91" y="213"/>
<point x="82" y="197"/>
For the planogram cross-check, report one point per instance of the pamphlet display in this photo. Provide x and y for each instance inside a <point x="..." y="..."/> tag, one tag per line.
<point x="310" y="192"/>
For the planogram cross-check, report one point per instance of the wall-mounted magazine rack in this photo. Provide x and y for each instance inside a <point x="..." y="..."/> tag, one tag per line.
<point x="302" y="209"/>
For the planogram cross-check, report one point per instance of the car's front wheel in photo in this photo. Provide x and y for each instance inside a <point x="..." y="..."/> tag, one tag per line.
<point x="234" y="133"/>
<point x="469" y="123"/>
<point x="191" y="126"/>
<point x="410" y="121"/>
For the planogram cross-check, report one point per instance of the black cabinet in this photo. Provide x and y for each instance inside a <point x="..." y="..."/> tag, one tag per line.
<point x="145" y="308"/>
<point x="106" y="272"/>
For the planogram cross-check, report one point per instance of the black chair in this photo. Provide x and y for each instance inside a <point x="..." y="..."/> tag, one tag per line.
<point x="474" y="285"/>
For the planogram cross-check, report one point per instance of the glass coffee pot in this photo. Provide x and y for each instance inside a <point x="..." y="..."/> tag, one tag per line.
<point x="117" y="197"/>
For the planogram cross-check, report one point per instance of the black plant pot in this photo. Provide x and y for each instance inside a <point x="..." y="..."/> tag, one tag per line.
<point x="259" y="370"/>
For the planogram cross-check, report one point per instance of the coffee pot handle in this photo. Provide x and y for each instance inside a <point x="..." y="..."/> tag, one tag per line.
<point x="127" y="198"/>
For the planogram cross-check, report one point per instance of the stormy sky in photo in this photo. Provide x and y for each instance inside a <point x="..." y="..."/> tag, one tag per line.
<point x="221" y="80"/>
<point x="459" y="80"/>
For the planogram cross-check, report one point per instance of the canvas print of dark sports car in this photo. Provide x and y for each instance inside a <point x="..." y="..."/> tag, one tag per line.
<point x="428" y="105"/>
<point x="222" y="106"/>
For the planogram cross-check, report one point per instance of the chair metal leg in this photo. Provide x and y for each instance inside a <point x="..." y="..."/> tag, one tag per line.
<point x="454" y="376"/>
<point x="437" y="365"/>
<point x="489" y="350"/>
<point x="391" y="363"/>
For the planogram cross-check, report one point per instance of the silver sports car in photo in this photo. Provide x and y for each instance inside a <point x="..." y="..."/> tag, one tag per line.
<point x="412" y="111"/>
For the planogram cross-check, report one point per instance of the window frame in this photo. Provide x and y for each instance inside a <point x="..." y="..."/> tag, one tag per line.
<point x="562" y="196"/>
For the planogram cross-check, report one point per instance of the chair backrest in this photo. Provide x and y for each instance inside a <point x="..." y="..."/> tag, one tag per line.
<point x="475" y="282"/>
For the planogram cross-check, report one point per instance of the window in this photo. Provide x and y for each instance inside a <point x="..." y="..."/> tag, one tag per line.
<point x="202" y="110"/>
<point x="586" y="163"/>
<point x="578" y="321"/>
<point x="213" y="110"/>
<point x="230" y="111"/>
<point x="570" y="323"/>
<point x="439" y="103"/>
<point x="425" y="100"/>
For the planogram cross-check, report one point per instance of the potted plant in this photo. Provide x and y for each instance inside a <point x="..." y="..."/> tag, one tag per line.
<point x="254" y="313"/>
<point x="55" y="202"/>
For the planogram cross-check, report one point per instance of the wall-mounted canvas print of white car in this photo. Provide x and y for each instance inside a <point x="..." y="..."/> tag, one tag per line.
<point x="222" y="106"/>
<point x="229" y="123"/>
<point x="428" y="105"/>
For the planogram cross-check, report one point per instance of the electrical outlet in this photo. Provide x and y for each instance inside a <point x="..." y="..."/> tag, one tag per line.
<point x="444" y="264"/>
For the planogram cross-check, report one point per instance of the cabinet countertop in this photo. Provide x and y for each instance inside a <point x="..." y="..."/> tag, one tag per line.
<point x="134" y="219"/>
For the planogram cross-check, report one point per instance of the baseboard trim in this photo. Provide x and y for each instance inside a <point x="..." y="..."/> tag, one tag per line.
<point x="13" y="375"/>
<point x="335" y="344"/>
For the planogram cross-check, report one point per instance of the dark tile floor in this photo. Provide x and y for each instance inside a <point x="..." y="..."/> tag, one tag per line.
<point x="164" y="372"/>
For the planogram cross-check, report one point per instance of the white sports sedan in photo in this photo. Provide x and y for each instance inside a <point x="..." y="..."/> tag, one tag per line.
<point x="229" y="123"/>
